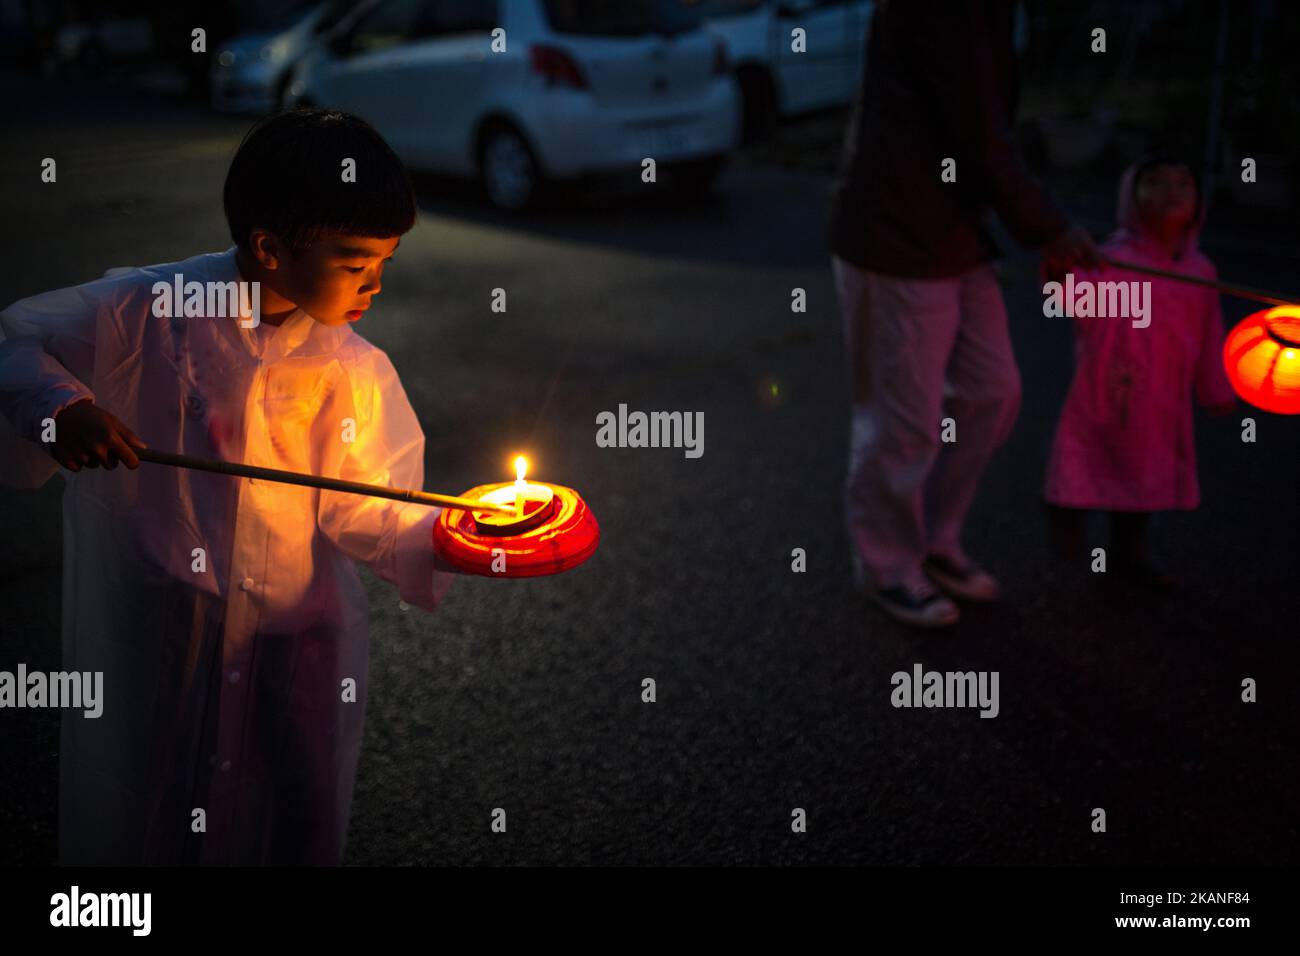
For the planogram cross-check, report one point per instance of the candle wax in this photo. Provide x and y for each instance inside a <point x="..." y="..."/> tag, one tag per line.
<point x="510" y="495"/>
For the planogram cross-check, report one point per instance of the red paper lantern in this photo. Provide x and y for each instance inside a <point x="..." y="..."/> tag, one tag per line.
<point x="566" y="536"/>
<point x="1262" y="356"/>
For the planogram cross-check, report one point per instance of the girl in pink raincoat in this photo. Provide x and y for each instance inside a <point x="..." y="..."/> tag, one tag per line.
<point x="1124" y="443"/>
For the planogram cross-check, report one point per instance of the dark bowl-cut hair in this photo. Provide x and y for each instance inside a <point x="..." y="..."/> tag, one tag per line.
<point x="287" y="176"/>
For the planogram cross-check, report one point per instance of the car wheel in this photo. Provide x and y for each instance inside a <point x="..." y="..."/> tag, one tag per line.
<point x="508" y="169"/>
<point x="283" y="96"/>
<point x="697" y="177"/>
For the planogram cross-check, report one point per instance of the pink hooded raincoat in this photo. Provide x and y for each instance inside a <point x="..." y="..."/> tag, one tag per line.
<point x="1124" y="441"/>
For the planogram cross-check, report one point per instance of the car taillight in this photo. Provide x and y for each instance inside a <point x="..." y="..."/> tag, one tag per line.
<point x="721" y="63"/>
<point x="556" y="66"/>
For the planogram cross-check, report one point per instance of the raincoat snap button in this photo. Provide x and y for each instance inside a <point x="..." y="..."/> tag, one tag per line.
<point x="246" y="584"/>
<point x="234" y="677"/>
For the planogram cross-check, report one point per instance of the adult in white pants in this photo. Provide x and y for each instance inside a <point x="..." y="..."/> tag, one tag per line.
<point x="922" y="351"/>
<point x="928" y="154"/>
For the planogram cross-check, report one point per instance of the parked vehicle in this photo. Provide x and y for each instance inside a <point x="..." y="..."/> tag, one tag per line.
<point x="250" y="71"/>
<point x="92" y="45"/>
<point x="775" y="81"/>
<point x="569" y="88"/>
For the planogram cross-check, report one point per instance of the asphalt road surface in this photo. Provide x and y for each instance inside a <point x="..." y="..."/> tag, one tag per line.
<point x="773" y="687"/>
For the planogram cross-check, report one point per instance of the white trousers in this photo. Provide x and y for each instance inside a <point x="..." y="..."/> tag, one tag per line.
<point x="921" y="351"/>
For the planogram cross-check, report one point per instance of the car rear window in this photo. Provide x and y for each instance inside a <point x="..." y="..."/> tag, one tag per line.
<point x="623" y="18"/>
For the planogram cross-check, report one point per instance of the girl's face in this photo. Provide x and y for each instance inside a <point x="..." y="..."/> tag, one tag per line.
<point x="1166" y="198"/>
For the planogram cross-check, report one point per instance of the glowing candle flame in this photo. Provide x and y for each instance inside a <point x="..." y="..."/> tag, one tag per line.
<point x="521" y="466"/>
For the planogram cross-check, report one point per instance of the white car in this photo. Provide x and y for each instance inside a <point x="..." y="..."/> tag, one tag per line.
<point x="777" y="82"/>
<point x="250" y="71"/>
<point x="581" y="87"/>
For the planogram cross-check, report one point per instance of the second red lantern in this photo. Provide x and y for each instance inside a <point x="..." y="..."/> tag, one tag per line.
<point x="1262" y="358"/>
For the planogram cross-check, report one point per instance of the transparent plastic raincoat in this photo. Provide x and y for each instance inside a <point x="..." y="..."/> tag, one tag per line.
<point x="226" y="614"/>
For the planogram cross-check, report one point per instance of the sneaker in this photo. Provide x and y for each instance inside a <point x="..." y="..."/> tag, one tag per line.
<point x="965" y="581"/>
<point x="916" y="606"/>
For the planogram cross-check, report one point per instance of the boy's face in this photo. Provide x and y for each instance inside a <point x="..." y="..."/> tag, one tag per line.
<point x="1166" y="198"/>
<point x="335" y="279"/>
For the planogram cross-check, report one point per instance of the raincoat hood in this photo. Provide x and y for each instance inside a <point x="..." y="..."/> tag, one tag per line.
<point x="1130" y="230"/>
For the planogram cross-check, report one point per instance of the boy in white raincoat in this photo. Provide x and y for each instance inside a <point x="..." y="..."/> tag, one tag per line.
<point x="226" y="614"/>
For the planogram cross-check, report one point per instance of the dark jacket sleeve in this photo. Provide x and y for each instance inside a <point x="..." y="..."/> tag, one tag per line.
<point x="973" y="67"/>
